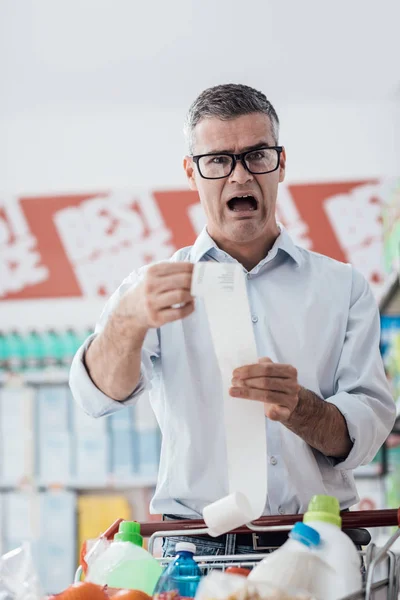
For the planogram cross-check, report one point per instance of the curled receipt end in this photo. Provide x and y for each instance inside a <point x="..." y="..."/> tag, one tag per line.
<point x="227" y="514"/>
<point x="223" y="289"/>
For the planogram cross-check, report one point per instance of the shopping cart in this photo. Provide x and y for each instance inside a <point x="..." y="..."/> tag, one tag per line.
<point x="382" y="565"/>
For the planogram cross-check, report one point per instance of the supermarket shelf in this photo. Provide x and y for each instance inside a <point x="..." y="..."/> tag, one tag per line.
<point x="60" y="313"/>
<point x="46" y="376"/>
<point x="369" y="471"/>
<point x="121" y="484"/>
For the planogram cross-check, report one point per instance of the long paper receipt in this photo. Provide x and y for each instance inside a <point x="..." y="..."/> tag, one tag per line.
<point x="223" y="288"/>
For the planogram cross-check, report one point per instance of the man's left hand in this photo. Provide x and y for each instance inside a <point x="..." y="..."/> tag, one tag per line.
<point x="274" y="384"/>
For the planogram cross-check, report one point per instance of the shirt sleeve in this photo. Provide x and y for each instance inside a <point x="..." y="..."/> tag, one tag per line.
<point x="362" y="391"/>
<point x="93" y="401"/>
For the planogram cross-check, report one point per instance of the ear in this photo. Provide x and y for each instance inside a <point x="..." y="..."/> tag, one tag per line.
<point x="282" y="166"/>
<point x="189" y="168"/>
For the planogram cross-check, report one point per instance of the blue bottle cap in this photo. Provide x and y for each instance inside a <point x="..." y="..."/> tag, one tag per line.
<point x="305" y="534"/>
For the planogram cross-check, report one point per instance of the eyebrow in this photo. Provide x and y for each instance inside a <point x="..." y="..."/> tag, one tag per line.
<point x="245" y="149"/>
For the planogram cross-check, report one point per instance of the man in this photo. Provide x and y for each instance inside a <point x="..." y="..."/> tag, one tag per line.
<point x="320" y="376"/>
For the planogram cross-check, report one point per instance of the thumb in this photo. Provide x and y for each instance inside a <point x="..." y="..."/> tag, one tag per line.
<point x="277" y="413"/>
<point x="264" y="360"/>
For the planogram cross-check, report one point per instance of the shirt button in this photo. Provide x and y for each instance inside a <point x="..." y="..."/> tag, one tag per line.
<point x="248" y="275"/>
<point x="273" y="460"/>
<point x="254" y="319"/>
<point x="281" y="511"/>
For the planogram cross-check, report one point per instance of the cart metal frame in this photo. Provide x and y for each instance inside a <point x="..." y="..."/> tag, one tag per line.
<point x="385" y="589"/>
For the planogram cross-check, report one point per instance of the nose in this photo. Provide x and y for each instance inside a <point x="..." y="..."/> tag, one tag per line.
<point x="240" y="174"/>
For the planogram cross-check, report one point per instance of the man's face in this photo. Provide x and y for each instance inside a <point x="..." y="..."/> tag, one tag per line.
<point x="246" y="221"/>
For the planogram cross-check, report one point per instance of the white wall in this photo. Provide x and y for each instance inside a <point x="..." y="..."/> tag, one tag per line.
<point x="80" y="151"/>
<point x="89" y="90"/>
<point x="341" y="141"/>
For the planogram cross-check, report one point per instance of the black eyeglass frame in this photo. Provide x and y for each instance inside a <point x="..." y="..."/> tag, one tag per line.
<point x="238" y="157"/>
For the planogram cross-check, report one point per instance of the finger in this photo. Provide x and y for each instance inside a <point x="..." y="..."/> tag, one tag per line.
<point x="174" y="314"/>
<point x="275" y="384"/>
<point x="261" y="395"/>
<point x="169" y="299"/>
<point x="174" y="282"/>
<point x="166" y="269"/>
<point x="265" y="370"/>
<point x="274" y="409"/>
<point x="277" y="413"/>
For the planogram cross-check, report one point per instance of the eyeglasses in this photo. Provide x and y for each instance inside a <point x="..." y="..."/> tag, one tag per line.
<point x="218" y="165"/>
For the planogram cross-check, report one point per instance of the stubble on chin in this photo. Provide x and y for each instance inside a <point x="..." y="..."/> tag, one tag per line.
<point x="243" y="231"/>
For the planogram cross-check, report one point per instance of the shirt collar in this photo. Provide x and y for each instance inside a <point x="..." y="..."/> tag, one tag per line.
<point x="204" y="243"/>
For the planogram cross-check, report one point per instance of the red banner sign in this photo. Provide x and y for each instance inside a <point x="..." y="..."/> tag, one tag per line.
<point x="84" y="245"/>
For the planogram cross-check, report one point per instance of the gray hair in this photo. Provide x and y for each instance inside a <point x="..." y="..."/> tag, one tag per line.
<point x="227" y="102"/>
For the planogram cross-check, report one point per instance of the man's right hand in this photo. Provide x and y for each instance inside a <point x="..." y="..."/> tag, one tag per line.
<point x="153" y="302"/>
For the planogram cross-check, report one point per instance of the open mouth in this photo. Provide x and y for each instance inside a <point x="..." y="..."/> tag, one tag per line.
<point x="243" y="203"/>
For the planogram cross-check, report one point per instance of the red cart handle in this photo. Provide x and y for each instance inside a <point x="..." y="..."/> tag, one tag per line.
<point x="350" y="520"/>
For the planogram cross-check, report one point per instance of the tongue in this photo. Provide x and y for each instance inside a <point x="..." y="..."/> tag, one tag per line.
<point x="242" y="204"/>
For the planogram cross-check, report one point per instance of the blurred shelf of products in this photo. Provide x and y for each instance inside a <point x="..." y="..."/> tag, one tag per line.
<point x="47" y="439"/>
<point x="56" y="522"/>
<point x="64" y="476"/>
<point x="36" y="350"/>
<point x="390" y="349"/>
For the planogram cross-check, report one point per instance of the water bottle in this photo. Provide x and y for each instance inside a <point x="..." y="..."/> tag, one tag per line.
<point x="181" y="577"/>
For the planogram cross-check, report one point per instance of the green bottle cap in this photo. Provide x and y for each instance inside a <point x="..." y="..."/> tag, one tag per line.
<point x="323" y="508"/>
<point x="129" y="531"/>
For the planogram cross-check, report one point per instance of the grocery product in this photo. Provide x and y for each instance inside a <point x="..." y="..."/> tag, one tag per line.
<point x="82" y="591"/>
<point x="181" y="577"/>
<point x="242" y="571"/>
<point x="125" y="564"/>
<point x="295" y="565"/>
<point x="131" y="595"/>
<point x="335" y="548"/>
<point x="224" y="586"/>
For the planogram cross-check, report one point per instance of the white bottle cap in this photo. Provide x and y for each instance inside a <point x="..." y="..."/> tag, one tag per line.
<point x="185" y="547"/>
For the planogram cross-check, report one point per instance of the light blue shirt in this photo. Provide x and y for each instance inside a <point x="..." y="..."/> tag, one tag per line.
<point x="309" y="311"/>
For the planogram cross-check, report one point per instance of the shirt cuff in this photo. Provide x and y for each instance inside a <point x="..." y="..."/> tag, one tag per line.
<point x="360" y="421"/>
<point x="93" y="401"/>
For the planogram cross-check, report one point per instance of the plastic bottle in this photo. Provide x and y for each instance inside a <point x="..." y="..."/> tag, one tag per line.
<point x="182" y="576"/>
<point x="71" y="343"/>
<point x="295" y="566"/>
<point x="52" y="348"/>
<point x="335" y="548"/>
<point x="15" y="351"/>
<point x="302" y="538"/>
<point x="125" y="564"/>
<point x="3" y="353"/>
<point x="34" y="351"/>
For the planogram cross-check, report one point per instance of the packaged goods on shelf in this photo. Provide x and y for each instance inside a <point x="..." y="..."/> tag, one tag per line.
<point x="16" y="434"/>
